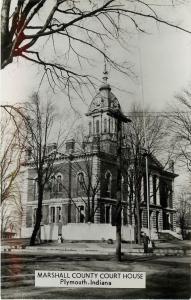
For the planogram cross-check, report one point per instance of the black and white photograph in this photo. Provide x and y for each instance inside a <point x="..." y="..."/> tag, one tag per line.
<point x="95" y="156"/>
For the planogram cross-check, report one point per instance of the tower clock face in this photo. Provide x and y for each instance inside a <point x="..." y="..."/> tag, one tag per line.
<point x="98" y="102"/>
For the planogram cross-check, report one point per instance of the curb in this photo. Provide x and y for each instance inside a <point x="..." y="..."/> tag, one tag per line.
<point x="156" y="252"/>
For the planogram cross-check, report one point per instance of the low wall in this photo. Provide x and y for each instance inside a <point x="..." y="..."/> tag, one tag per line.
<point x="26" y="232"/>
<point x="49" y="232"/>
<point x="78" y="231"/>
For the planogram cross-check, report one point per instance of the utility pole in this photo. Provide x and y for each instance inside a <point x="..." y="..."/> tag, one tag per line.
<point x="148" y="196"/>
<point x="121" y="118"/>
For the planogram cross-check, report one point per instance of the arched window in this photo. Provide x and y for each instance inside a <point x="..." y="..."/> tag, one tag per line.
<point x="97" y="126"/>
<point x="108" y="178"/>
<point x="80" y="182"/>
<point x="52" y="184"/>
<point x="105" y="125"/>
<point x="81" y="214"/>
<point x="58" y="214"/>
<point x="90" y="128"/>
<point x="59" y="183"/>
<point x="52" y="215"/>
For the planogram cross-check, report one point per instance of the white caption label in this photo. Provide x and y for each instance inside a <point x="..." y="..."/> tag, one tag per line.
<point x="90" y="279"/>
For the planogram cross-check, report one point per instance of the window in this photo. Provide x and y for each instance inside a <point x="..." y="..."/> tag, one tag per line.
<point x="59" y="183"/>
<point x="107" y="214"/>
<point x="154" y="189"/>
<point x="34" y="215"/>
<point x="111" y="124"/>
<point x="52" y="215"/>
<point x="108" y="178"/>
<point x="105" y="125"/>
<point x="35" y="187"/>
<point x="81" y="178"/>
<point x="58" y="213"/>
<point x="97" y="126"/>
<point x="52" y="184"/>
<point x="81" y="214"/>
<point x="80" y="182"/>
<point x="90" y="128"/>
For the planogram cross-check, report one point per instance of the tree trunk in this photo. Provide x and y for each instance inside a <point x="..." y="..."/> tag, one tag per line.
<point x="137" y="212"/>
<point x="88" y="214"/>
<point x="38" y="218"/>
<point x="6" y="43"/>
<point x="118" y="226"/>
<point x="92" y="210"/>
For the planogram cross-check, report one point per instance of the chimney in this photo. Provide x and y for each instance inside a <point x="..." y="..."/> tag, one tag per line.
<point x="51" y="148"/>
<point x="70" y="145"/>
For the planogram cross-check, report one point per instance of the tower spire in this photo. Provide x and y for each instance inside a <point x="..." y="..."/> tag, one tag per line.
<point x="105" y="72"/>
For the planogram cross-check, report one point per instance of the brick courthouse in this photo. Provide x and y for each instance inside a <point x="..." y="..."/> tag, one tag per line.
<point x="79" y="201"/>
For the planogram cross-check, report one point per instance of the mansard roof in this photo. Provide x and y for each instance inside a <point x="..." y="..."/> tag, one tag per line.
<point x="104" y="100"/>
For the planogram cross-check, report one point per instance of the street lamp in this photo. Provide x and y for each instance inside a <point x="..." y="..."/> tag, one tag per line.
<point x="121" y="118"/>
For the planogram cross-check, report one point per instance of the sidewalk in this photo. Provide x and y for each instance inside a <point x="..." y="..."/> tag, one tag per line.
<point x="180" y="248"/>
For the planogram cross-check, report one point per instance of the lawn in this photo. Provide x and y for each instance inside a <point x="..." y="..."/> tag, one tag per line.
<point x="163" y="280"/>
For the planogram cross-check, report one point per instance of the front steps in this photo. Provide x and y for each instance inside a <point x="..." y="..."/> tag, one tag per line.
<point x="168" y="235"/>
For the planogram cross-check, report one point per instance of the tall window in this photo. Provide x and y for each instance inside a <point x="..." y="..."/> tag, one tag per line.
<point x="90" y="128"/>
<point x="52" y="184"/>
<point x="105" y="125"/>
<point x="52" y="215"/>
<point x="34" y="215"/>
<point x="58" y="213"/>
<point x="35" y="187"/>
<point x="80" y="182"/>
<point x="107" y="214"/>
<point x="97" y="126"/>
<point x="154" y="189"/>
<point x="81" y="214"/>
<point x="59" y="183"/>
<point x="108" y="182"/>
<point x="111" y="124"/>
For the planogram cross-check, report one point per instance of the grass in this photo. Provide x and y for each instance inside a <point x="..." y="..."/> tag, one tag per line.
<point x="163" y="281"/>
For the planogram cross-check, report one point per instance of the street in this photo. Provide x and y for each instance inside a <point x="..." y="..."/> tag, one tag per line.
<point x="166" y="278"/>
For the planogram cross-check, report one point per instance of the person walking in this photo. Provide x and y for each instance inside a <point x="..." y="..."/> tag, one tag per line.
<point x="146" y="243"/>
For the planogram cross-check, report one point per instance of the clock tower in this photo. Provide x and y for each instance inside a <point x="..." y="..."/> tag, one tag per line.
<point x="101" y="122"/>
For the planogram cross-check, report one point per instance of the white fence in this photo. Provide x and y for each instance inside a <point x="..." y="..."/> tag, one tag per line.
<point x="88" y="232"/>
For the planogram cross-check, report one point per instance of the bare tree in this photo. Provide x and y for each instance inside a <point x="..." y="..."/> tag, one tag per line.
<point x="11" y="212"/>
<point x="180" y="118"/>
<point x="12" y="147"/>
<point x="39" y="127"/>
<point x="27" y="25"/>
<point x="184" y="213"/>
<point x="145" y="136"/>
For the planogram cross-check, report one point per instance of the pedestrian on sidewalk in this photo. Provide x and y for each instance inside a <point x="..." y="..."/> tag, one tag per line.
<point x="146" y="241"/>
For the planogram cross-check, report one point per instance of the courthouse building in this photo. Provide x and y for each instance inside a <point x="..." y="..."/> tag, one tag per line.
<point x="80" y="199"/>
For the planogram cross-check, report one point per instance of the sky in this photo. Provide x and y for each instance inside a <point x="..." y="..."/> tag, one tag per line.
<point x="160" y="59"/>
